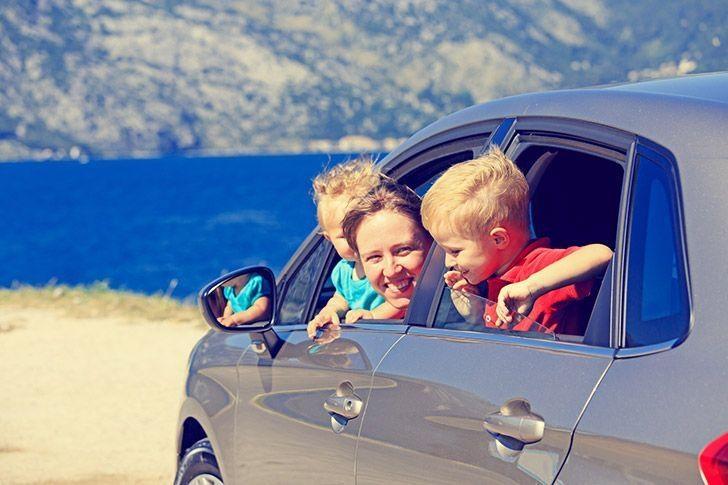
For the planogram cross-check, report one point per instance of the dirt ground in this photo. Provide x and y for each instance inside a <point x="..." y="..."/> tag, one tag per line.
<point x="90" y="399"/>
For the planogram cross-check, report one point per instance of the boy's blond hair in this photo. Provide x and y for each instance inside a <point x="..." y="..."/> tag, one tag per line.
<point x="353" y="178"/>
<point x="472" y="197"/>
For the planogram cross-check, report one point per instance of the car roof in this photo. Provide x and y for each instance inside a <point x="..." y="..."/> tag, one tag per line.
<point x="687" y="115"/>
<point x="710" y="87"/>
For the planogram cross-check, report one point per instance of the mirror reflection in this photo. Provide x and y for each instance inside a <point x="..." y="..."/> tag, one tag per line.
<point x="243" y="299"/>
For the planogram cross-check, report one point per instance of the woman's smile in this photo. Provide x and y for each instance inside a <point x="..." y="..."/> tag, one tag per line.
<point x="392" y="248"/>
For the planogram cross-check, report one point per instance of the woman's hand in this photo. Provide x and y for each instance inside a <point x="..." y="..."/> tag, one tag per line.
<point x="353" y="316"/>
<point x="327" y="316"/>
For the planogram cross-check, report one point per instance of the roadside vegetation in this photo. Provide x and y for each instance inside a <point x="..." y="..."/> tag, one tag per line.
<point x="98" y="300"/>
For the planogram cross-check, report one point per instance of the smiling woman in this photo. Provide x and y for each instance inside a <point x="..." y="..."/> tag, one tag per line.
<point x="385" y="229"/>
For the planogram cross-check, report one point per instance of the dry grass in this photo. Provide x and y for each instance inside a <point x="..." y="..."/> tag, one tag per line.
<point x="98" y="300"/>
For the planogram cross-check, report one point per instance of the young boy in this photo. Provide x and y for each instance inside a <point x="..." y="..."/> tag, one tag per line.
<point x="334" y="190"/>
<point x="477" y="211"/>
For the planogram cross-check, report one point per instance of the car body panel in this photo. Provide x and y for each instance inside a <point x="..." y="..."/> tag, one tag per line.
<point x="653" y="414"/>
<point x="429" y="426"/>
<point x="282" y="430"/>
<point x="211" y="390"/>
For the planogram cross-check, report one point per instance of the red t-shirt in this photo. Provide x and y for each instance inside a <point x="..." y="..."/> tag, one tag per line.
<point x="558" y="310"/>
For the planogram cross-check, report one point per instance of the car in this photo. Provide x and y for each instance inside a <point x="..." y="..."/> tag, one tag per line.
<point x="639" y="397"/>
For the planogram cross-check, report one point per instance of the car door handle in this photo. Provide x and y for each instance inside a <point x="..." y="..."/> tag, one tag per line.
<point x="344" y="402"/>
<point x="516" y="421"/>
<point x="342" y="406"/>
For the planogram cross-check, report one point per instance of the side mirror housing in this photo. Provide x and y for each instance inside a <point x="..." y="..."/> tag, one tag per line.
<point x="243" y="300"/>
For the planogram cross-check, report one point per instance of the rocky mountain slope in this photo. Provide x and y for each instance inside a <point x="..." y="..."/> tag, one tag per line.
<point x="117" y="78"/>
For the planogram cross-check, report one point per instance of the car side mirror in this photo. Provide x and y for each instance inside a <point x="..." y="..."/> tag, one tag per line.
<point x="240" y="301"/>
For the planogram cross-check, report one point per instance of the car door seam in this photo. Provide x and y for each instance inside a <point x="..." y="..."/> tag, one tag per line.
<point x="578" y="419"/>
<point x="366" y="403"/>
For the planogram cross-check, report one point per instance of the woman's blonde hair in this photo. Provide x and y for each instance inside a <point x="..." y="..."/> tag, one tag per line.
<point x="472" y="197"/>
<point x="387" y="196"/>
<point x="352" y="178"/>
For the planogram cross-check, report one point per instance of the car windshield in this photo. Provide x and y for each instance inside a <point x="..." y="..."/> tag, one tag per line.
<point x="467" y="311"/>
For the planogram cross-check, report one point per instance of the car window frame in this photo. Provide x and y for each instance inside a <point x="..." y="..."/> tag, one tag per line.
<point x="593" y="139"/>
<point x="666" y="160"/>
<point x="417" y="169"/>
<point x="299" y="258"/>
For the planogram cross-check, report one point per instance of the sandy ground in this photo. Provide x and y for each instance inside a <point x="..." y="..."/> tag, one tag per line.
<point x="89" y="400"/>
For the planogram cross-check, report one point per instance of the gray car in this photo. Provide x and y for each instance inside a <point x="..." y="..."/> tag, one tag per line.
<point x="639" y="397"/>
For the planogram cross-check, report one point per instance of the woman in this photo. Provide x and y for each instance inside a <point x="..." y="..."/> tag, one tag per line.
<point x="385" y="230"/>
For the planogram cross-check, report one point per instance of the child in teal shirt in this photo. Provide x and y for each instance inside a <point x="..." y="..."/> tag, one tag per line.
<point x="355" y="298"/>
<point x="247" y="301"/>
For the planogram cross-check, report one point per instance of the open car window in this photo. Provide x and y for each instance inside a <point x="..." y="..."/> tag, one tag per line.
<point x="459" y="310"/>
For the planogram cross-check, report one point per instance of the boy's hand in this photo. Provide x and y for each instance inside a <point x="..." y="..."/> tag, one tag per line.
<point x="353" y="316"/>
<point x="516" y="297"/>
<point x="471" y="308"/>
<point x="455" y="280"/>
<point x="326" y="316"/>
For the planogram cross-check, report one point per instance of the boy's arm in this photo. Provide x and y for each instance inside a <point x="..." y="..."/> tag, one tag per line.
<point x="583" y="264"/>
<point x="336" y="306"/>
<point x="385" y="311"/>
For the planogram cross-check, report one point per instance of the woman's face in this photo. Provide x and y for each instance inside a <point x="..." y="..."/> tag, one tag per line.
<point x="392" y="248"/>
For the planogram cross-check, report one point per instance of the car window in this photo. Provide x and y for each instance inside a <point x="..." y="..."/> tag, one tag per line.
<point x="420" y="179"/>
<point x="327" y="288"/>
<point x="464" y="311"/>
<point x="657" y="297"/>
<point x="300" y="287"/>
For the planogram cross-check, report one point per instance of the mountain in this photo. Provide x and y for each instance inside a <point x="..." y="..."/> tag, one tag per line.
<point x="117" y="78"/>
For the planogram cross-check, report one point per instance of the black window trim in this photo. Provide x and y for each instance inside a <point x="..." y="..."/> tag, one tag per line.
<point x="590" y="138"/>
<point x="411" y="159"/>
<point x="419" y="312"/>
<point x="659" y="155"/>
<point x="309" y="245"/>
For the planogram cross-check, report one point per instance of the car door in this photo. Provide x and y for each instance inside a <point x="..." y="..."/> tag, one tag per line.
<point x="282" y="431"/>
<point x="450" y="378"/>
<point x="659" y="405"/>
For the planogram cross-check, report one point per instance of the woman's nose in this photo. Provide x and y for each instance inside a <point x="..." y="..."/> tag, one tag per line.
<point x="391" y="267"/>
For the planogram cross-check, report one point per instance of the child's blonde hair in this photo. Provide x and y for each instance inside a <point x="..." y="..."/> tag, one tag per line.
<point x="472" y="197"/>
<point x="351" y="179"/>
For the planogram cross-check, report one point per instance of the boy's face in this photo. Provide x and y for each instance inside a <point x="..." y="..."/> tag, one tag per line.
<point x="333" y="212"/>
<point x="476" y="259"/>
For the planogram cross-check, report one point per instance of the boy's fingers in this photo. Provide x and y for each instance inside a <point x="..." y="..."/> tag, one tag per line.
<point x="335" y="319"/>
<point x="460" y="285"/>
<point x="451" y="277"/>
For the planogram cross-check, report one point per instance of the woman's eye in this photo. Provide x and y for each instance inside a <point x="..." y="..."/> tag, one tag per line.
<point x="403" y="251"/>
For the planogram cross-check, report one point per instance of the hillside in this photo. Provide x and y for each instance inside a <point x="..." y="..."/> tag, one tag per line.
<point x="132" y="77"/>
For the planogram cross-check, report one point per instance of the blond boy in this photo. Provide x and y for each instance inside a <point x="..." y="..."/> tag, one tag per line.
<point x="355" y="298"/>
<point x="477" y="211"/>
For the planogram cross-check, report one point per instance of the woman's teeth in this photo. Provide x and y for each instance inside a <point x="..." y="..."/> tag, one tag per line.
<point x="399" y="286"/>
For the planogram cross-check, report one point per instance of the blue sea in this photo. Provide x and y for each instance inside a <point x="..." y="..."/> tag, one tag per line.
<point x="160" y="225"/>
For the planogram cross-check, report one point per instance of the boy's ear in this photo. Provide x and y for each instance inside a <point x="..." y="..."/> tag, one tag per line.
<point x="500" y="237"/>
<point x="326" y="235"/>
